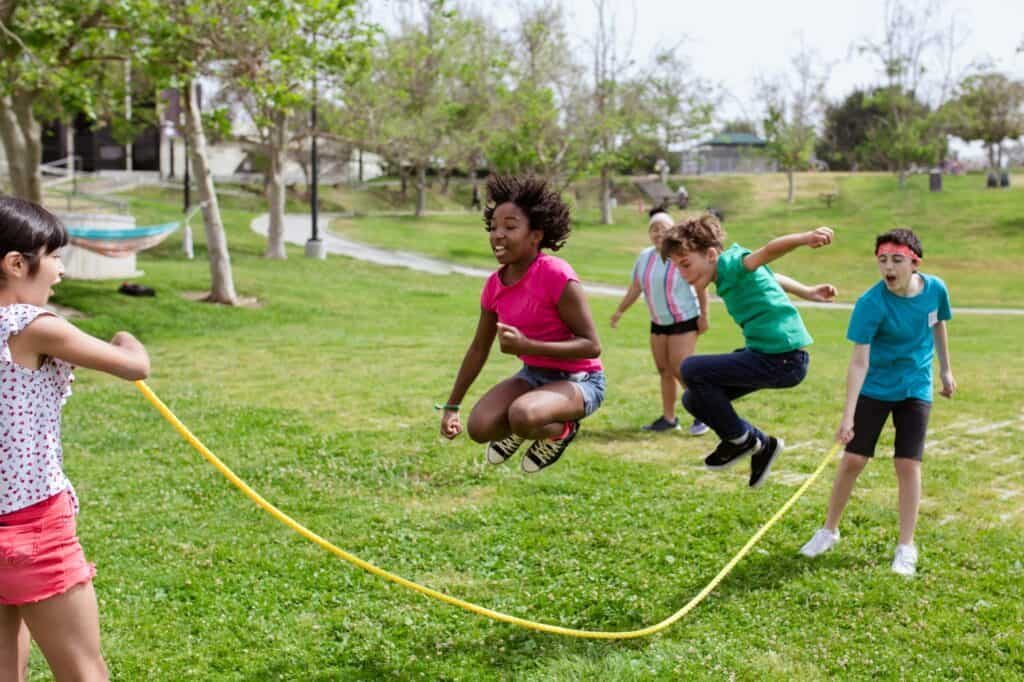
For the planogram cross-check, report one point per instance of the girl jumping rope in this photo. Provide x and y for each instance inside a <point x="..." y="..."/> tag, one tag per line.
<point x="535" y="305"/>
<point x="896" y="327"/>
<point x="46" y="591"/>
<point x="678" y="314"/>
<point x="774" y="356"/>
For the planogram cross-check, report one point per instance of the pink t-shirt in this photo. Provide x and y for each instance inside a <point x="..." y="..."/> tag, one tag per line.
<point x="531" y="306"/>
<point x="31" y="457"/>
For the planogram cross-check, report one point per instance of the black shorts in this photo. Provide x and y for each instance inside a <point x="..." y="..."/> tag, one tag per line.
<point x="684" y="327"/>
<point x="909" y="417"/>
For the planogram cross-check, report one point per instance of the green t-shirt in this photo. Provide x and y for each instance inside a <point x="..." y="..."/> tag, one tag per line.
<point x="770" y="322"/>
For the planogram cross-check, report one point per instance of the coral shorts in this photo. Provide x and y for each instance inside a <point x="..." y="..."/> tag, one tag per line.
<point x="40" y="557"/>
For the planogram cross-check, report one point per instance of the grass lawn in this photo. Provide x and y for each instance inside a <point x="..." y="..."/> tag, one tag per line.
<point x="972" y="235"/>
<point x="321" y="399"/>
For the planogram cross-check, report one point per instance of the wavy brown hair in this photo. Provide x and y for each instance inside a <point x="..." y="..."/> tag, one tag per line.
<point x="693" y="235"/>
<point x="542" y="205"/>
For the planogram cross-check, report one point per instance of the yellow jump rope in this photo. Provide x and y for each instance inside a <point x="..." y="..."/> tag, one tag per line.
<point x="480" y="610"/>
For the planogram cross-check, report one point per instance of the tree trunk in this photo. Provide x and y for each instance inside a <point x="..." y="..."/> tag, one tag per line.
<point x="276" y="188"/>
<point x="222" y="286"/>
<point x="17" y="126"/>
<point x="360" y="151"/>
<point x="606" y="196"/>
<point x="789" y="177"/>
<point x="421" y="189"/>
<point x="32" y="134"/>
<point x="404" y="177"/>
<point x="445" y="176"/>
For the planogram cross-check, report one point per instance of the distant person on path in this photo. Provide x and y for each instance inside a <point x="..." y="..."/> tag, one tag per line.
<point x="678" y="314"/>
<point x="774" y="355"/>
<point x="476" y="205"/>
<point x="682" y="197"/>
<point x="535" y="305"/>
<point x="45" y="581"/>
<point x="897" y="326"/>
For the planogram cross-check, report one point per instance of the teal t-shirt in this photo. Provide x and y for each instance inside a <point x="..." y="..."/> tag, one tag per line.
<point x="899" y="331"/>
<point x="770" y="321"/>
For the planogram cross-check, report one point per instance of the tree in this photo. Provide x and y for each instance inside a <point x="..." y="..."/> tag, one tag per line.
<point x="432" y="77"/>
<point x="792" y="106"/>
<point x="847" y="127"/>
<point x="908" y="132"/>
<point x="50" y="57"/>
<point x="179" y="41"/>
<point x="739" y="125"/>
<point x="990" y="108"/>
<point x="532" y="127"/>
<point x="290" y="44"/>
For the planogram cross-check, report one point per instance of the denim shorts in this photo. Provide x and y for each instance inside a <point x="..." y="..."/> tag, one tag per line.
<point x="590" y="384"/>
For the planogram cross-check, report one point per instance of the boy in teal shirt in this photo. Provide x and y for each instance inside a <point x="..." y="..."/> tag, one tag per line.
<point x="897" y="328"/>
<point x="775" y="335"/>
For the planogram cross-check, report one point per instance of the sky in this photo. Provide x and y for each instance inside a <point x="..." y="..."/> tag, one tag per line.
<point x="733" y="43"/>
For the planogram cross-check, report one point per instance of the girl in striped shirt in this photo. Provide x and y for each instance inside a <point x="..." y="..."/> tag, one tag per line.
<point x="678" y="315"/>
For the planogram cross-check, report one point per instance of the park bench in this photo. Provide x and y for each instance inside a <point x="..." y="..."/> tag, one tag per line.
<point x="829" y="197"/>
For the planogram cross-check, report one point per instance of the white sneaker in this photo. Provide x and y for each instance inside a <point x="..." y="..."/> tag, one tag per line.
<point x="822" y="541"/>
<point x="905" y="561"/>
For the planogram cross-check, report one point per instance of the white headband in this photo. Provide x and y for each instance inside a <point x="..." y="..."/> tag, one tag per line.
<point x="660" y="217"/>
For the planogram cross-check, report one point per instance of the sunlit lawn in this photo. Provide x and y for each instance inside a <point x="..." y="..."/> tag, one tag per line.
<point x="321" y="399"/>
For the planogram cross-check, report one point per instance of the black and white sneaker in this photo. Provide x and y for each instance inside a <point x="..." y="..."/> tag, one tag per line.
<point x="761" y="462"/>
<point x="728" y="453"/>
<point x="544" y="453"/>
<point x="499" y="450"/>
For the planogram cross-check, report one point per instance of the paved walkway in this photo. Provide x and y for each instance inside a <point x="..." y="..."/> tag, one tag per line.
<point x="297" y="230"/>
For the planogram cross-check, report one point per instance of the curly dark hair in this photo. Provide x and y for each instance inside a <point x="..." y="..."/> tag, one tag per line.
<point x="542" y="205"/>
<point x="901" y="236"/>
<point x="693" y="235"/>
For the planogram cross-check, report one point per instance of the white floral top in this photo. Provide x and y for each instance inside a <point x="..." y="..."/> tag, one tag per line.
<point x="31" y="458"/>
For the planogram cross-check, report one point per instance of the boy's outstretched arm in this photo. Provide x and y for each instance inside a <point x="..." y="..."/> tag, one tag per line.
<point x="941" y="338"/>
<point x="780" y="246"/>
<point x="822" y="293"/>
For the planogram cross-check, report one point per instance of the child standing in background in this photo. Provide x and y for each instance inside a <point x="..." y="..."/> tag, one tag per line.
<point x="678" y="315"/>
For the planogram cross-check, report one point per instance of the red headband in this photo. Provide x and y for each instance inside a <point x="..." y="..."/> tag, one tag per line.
<point x="897" y="250"/>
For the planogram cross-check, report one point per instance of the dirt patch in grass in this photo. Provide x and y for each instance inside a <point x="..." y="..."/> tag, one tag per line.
<point x="204" y="297"/>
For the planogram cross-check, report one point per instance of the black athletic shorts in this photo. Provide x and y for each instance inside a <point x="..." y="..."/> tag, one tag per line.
<point x="683" y="327"/>
<point x="909" y="417"/>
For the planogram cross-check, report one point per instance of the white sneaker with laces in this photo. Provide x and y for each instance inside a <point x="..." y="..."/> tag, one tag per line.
<point x="823" y="540"/>
<point x="905" y="561"/>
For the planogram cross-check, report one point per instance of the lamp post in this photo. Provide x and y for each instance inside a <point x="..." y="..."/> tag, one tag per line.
<point x="315" y="247"/>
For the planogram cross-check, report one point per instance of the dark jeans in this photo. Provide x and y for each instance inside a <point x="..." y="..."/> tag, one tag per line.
<point x="714" y="381"/>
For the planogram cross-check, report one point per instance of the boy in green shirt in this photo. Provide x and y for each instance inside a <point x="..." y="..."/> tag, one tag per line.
<point x="775" y="335"/>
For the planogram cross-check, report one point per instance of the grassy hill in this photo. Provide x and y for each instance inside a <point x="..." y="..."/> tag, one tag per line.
<point x="971" y="235"/>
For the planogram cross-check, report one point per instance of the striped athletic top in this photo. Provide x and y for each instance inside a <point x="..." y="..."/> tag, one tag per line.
<point x="669" y="297"/>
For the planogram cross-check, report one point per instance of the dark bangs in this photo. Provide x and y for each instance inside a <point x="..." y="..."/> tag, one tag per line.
<point x="29" y="229"/>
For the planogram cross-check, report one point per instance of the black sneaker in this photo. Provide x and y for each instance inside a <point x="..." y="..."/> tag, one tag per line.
<point x="499" y="450"/>
<point x="661" y="424"/>
<point x="544" y="453"/>
<point x="761" y="462"/>
<point x="728" y="453"/>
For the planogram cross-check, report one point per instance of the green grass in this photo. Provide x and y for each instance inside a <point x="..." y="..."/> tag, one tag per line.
<point x="321" y="399"/>
<point x="971" y="234"/>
